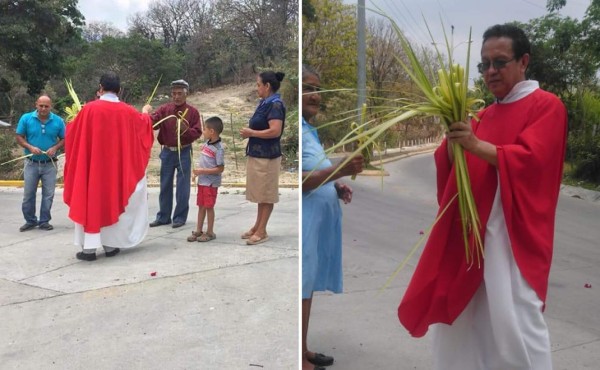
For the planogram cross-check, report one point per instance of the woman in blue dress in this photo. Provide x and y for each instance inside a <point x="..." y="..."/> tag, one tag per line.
<point x="321" y="214"/>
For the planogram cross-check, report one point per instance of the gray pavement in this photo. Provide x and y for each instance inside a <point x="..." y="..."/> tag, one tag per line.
<point x="215" y="305"/>
<point x="360" y="328"/>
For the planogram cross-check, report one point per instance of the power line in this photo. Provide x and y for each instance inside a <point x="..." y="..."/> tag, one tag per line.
<point x="534" y="4"/>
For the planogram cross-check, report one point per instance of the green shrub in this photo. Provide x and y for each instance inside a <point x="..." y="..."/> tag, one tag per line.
<point x="9" y="151"/>
<point x="585" y="156"/>
<point x="289" y="141"/>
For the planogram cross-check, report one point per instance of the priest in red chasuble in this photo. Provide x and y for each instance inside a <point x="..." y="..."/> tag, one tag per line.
<point x="490" y="317"/>
<point x="107" y="148"/>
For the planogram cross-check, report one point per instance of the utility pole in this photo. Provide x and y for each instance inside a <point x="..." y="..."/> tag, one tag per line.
<point x="362" y="58"/>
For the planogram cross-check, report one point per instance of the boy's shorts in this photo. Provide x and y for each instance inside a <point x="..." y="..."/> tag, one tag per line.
<point x="207" y="196"/>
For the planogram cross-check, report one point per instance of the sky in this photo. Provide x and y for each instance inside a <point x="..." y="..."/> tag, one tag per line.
<point x="464" y="14"/>
<point x="112" y="11"/>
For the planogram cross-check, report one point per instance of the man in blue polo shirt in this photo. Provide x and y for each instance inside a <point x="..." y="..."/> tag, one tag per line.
<point x="41" y="133"/>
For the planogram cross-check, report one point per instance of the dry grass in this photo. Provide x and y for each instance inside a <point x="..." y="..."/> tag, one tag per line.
<point x="234" y="105"/>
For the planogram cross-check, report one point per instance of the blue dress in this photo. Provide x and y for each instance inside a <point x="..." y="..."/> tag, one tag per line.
<point x="321" y="224"/>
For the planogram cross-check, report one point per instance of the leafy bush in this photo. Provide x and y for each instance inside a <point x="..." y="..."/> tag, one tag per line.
<point x="583" y="145"/>
<point x="586" y="158"/>
<point x="289" y="141"/>
<point x="8" y="151"/>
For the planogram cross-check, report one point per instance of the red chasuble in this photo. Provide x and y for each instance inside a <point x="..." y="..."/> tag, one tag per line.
<point x="107" y="148"/>
<point x="530" y="137"/>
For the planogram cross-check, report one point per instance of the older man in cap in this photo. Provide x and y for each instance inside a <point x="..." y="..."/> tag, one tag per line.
<point x="176" y="140"/>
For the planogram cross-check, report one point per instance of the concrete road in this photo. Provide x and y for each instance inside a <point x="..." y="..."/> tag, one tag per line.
<point x="215" y="305"/>
<point x="360" y="328"/>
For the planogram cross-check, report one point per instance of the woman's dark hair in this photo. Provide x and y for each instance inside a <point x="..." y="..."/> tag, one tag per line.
<point x="110" y="82"/>
<point x="520" y="43"/>
<point x="309" y="71"/>
<point x="272" y="78"/>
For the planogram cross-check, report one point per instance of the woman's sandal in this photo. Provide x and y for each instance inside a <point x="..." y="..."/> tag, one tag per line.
<point x="255" y="239"/>
<point x="247" y="234"/>
<point x="195" y="235"/>
<point x="206" y="237"/>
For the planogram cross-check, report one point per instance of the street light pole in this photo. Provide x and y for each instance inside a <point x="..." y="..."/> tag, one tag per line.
<point x="362" y="58"/>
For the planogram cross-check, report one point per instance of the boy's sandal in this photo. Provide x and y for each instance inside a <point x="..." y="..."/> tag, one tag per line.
<point x="206" y="237"/>
<point x="195" y="235"/>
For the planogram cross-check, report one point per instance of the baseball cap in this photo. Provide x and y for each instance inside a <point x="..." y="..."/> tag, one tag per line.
<point x="180" y="83"/>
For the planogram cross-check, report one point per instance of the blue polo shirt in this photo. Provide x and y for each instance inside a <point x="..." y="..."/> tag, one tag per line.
<point x="270" y="108"/>
<point x="41" y="135"/>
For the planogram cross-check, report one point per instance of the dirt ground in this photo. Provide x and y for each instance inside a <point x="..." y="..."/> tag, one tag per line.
<point x="235" y="105"/>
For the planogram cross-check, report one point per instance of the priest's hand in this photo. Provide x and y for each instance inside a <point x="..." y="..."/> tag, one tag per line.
<point x="462" y="133"/>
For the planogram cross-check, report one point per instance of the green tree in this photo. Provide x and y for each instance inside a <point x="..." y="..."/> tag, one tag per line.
<point x="139" y="62"/>
<point x="584" y="137"/>
<point x="308" y="10"/>
<point x="329" y="44"/>
<point x="31" y="34"/>
<point x="555" y="5"/>
<point x="562" y="60"/>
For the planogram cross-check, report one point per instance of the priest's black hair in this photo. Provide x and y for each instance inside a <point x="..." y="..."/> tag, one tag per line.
<point x="110" y="82"/>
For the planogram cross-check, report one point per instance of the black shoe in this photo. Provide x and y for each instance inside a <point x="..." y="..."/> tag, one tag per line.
<point x="158" y="223"/>
<point x="112" y="253"/>
<point x="178" y="224"/>
<point x="321" y="360"/>
<point x="27" y="226"/>
<point x="86" y="256"/>
<point x="46" y="226"/>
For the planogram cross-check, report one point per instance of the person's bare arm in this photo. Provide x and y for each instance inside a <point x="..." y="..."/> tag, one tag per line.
<point x="208" y="171"/>
<point x="23" y="142"/>
<point x="312" y="180"/>
<point x="272" y="132"/>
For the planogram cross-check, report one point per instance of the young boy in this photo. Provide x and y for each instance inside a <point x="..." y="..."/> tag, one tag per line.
<point x="210" y="167"/>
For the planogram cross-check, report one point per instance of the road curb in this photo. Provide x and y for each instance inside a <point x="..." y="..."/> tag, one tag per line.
<point x="402" y="155"/>
<point x="19" y="184"/>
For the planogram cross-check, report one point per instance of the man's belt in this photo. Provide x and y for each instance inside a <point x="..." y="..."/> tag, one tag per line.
<point x="44" y="160"/>
<point x="174" y="148"/>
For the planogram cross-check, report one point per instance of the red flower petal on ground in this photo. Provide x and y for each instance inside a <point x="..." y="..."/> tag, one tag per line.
<point x="153" y="273"/>
<point x="588" y="285"/>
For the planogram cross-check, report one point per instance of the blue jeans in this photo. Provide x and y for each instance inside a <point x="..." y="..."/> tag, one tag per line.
<point x="32" y="174"/>
<point x="169" y="162"/>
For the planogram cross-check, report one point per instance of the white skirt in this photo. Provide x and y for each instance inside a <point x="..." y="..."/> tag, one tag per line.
<point x="502" y="327"/>
<point x="129" y="231"/>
